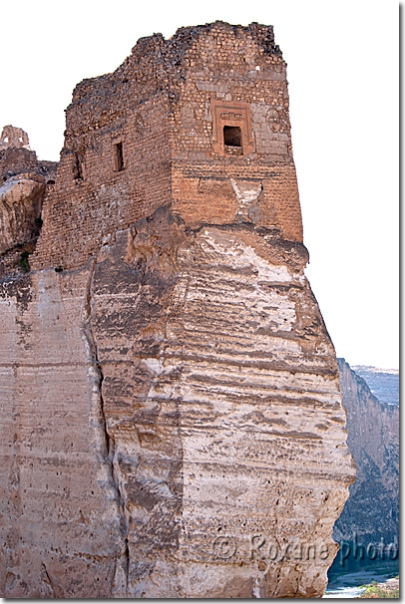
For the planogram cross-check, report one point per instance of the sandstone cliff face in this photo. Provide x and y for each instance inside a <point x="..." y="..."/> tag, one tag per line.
<point x="372" y="510"/>
<point x="172" y="412"/>
<point x="20" y="205"/>
<point x="23" y="187"/>
<point x="170" y="399"/>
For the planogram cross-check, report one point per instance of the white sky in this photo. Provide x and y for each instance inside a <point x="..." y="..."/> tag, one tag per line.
<point x="343" y="81"/>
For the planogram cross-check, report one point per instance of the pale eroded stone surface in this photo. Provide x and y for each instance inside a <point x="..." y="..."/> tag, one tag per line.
<point x="170" y="406"/>
<point x="20" y="204"/>
<point x="225" y="411"/>
<point x="59" y="520"/>
<point x="221" y="399"/>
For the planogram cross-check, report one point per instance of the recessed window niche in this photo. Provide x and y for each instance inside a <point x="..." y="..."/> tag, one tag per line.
<point x="232" y="136"/>
<point x="119" y="157"/>
<point x="231" y="128"/>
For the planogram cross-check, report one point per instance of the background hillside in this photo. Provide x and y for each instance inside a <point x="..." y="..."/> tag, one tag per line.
<point x="371" y="514"/>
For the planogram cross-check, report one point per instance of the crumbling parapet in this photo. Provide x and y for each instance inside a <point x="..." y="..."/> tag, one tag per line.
<point x="16" y="155"/>
<point x="15" y="138"/>
<point x="175" y="417"/>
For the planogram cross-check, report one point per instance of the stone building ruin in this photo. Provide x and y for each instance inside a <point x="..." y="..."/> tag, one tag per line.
<point x="170" y="396"/>
<point x="154" y="132"/>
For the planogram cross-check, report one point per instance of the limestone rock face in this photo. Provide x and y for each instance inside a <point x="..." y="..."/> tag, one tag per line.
<point x="170" y="406"/>
<point x="173" y="423"/>
<point x="20" y="204"/>
<point x="224" y="414"/>
<point x="60" y="526"/>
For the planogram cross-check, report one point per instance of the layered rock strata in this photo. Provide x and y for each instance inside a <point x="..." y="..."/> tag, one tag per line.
<point x="170" y="396"/>
<point x="371" y="513"/>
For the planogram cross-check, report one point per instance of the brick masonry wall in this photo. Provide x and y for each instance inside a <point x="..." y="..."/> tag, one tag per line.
<point x="158" y="105"/>
<point x="85" y="207"/>
<point x="177" y="388"/>
<point x="230" y="66"/>
<point x="15" y="160"/>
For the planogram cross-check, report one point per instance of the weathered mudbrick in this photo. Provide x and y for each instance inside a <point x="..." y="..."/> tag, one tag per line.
<point x="170" y="408"/>
<point x="154" y="133"/>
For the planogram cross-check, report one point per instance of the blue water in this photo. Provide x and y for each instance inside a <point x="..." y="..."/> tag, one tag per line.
<point x="348" y="585"/>
<point x="344" y="592"/>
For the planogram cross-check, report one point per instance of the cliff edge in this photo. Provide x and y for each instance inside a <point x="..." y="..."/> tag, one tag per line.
<point x="170" y="406"/>
<point x="371" y="513"/>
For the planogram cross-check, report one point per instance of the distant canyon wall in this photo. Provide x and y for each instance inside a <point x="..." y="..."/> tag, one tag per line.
<point x="383" y="383"/>
<point x="372" y="510"/>
<point x="170" y="405"/>
<point x="159" y="423"/>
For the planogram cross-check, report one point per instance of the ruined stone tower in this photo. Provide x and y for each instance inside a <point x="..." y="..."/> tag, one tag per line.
<point x="170" y="401"/>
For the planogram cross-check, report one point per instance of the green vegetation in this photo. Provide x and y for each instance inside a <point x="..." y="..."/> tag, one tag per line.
<point x="24" y="264"/>
<point x="379" y="590"/>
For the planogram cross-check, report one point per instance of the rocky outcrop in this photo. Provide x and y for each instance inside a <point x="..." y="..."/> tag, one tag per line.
<point x="372" y="511"/>
<point x="20" y="209"/>
<point x="173" y="422"/>
<point x="206" y="414"/>
<point x="170" y="403"/>
<point x="22" y="191"/>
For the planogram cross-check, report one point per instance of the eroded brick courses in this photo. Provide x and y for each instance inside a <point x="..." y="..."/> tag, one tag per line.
<point x="164" y="111"/>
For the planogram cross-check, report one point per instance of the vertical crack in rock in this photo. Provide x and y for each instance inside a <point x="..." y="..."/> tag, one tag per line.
<point x="203" y="377"/>
<point x="98" y="379"/>
<point x="50" y="591"/>
<point x="132" y="307"/>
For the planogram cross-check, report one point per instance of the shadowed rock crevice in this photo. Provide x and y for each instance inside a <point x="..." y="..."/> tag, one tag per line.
<point x="174" y="387"/>
<point x="133" y="278"/>
<point x="120" y="585"/>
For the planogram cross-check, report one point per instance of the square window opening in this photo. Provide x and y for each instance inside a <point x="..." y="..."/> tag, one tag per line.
<point x="119" y="157"/>
<point x="232" y="136"/>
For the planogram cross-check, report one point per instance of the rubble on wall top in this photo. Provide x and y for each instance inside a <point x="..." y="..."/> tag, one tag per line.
<point x="154" y="57"/>
<point x="14" y="137"/>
